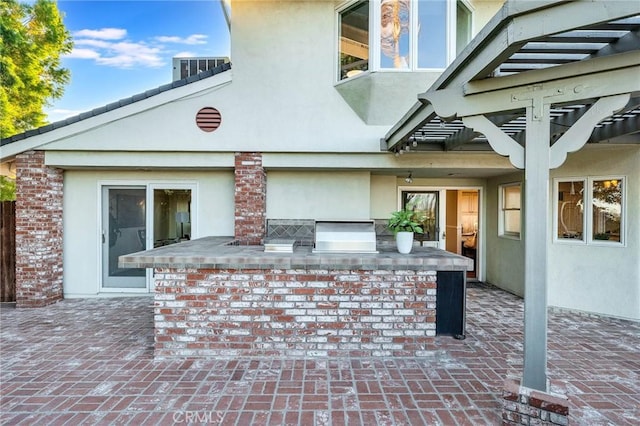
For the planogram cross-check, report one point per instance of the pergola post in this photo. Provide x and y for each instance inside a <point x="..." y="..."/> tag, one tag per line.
<point x="536" y="202"/>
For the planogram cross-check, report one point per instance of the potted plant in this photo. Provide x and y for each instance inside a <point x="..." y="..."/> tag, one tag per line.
<point x="404" y="223"/>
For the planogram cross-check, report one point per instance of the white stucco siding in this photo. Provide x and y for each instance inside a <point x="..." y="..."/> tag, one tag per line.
<point x="384" y="196"/>
<point x="601" y="279"/>
<point x="583" y="277"/>
<point x="386" y="189"/>
<point x="139" y="160"/>
<point x="284" y="59"/>
<point x="483" y="11"/>
<point x="317" y="195"/>
<point x="82" y="216"/>
<point x="159" y="123"/>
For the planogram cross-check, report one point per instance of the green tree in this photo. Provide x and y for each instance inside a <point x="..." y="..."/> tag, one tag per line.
<point x="7" y="189"/>
<point x="32" y="39"/>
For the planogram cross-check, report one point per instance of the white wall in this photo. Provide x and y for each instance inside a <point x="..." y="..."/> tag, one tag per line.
<point x="384" y="196"/>
<point x="595" y="278"/>
<point x="590" y="278"/>
<point x="81" y="217"/>
<point x="280" y="95"/>
<point x="284" y="62"/>
<point x="317" y="195"/>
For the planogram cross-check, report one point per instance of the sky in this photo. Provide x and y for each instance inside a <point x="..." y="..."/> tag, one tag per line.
<point x="125" y="47"/>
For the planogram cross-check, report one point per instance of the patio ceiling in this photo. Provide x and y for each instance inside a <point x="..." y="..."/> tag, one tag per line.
<point x="526" y="44"/>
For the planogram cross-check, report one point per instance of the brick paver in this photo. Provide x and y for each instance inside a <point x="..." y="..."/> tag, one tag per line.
<point x="91" y="362"/>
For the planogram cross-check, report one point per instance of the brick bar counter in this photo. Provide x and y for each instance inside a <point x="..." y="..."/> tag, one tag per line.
<point x="216" y="299"/>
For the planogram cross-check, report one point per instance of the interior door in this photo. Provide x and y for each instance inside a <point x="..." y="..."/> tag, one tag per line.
<point x="429" y="205"/>
<point x="123" y="232"/>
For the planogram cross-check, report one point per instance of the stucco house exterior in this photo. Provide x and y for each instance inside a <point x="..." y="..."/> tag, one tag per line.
<point x="327" y="112"/>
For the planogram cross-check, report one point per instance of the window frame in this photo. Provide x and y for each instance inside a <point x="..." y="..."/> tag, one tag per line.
<point x="556" y="206"/>
<point x="338" y="31"/>
<point x="471" y="11"/>
<point x="588" y="234"/>
<point x="374" y="65"/>
<point x="501" y="211"/>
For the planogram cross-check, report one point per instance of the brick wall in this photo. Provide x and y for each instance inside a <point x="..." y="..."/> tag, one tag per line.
<point x="523" y="406"/>
<point x="38" y="231"/>
<point x="294" y="313"/>
<point x="250" y="198"/>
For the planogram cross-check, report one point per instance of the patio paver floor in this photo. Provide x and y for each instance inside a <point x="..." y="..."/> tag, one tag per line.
<point x="90" y="361"/>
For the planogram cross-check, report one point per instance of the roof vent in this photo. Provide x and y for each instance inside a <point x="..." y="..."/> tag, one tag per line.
<point x="208" y="119"/>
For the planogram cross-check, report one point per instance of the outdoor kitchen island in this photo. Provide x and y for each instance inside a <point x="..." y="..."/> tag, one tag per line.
<point x="217" y="299"/>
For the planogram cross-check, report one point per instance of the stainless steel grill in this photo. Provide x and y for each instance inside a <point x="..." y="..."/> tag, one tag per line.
<point x="345" y="236"/>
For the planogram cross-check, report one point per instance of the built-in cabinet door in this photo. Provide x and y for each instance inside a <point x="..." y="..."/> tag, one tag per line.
<point x="123" y="232"/>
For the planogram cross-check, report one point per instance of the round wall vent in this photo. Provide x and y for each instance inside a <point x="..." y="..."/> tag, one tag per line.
<point x="208" y="119"/>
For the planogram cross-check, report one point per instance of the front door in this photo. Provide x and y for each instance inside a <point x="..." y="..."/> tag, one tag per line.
<point x="428" y="205"/>
<point x="123" y="232"/>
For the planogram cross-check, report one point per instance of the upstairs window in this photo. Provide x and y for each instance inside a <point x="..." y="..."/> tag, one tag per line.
<point x="463" y="26"/>
<point x="354" y="39"/>
<point x="413" y="26"/>
<point x="405" y="34"/>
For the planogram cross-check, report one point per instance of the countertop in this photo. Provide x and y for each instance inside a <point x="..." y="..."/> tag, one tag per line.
<point x="221" y="253"/>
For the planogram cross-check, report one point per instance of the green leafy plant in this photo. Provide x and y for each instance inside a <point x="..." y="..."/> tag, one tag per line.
<point x="7" y="189"/>
<point x="405" y="221"/>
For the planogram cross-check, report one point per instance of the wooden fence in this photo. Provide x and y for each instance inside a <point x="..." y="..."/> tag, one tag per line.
<point x="8" y="251"/>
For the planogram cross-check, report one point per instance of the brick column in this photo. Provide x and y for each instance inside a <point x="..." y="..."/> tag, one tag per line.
<point x="38" y="231"/>
<point x="524" y="406"/>
<point x="250" y="198"/>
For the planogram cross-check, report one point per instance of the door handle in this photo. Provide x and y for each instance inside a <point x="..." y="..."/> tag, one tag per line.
<point x="103" y="238"/>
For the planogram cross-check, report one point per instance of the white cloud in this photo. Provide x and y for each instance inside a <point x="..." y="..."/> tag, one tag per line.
<point x="185" y="54"/>
<point x="103" y="33"/>
<point x="111" y="47"/>
<point x="192" y="39"/>
<point x="82" y="54"/>
<point x="93" y="43"/>
<point x="122" y="54"/>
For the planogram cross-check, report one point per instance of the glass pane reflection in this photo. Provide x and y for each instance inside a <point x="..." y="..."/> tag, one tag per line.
<point x="607" y="209"/>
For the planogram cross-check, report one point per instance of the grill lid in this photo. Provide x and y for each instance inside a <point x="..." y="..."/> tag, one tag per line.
<point x="345" y="236"/>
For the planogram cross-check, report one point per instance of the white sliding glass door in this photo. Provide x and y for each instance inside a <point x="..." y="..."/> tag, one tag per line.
<point x="141" y="217"/>
<point x="123" y="232"/>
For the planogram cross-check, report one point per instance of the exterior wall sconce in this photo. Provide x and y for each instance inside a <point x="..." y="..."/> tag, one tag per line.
<point x="409" y="179"/>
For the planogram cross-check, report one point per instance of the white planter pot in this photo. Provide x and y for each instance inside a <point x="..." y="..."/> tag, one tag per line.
<point x="404" y="242"/>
